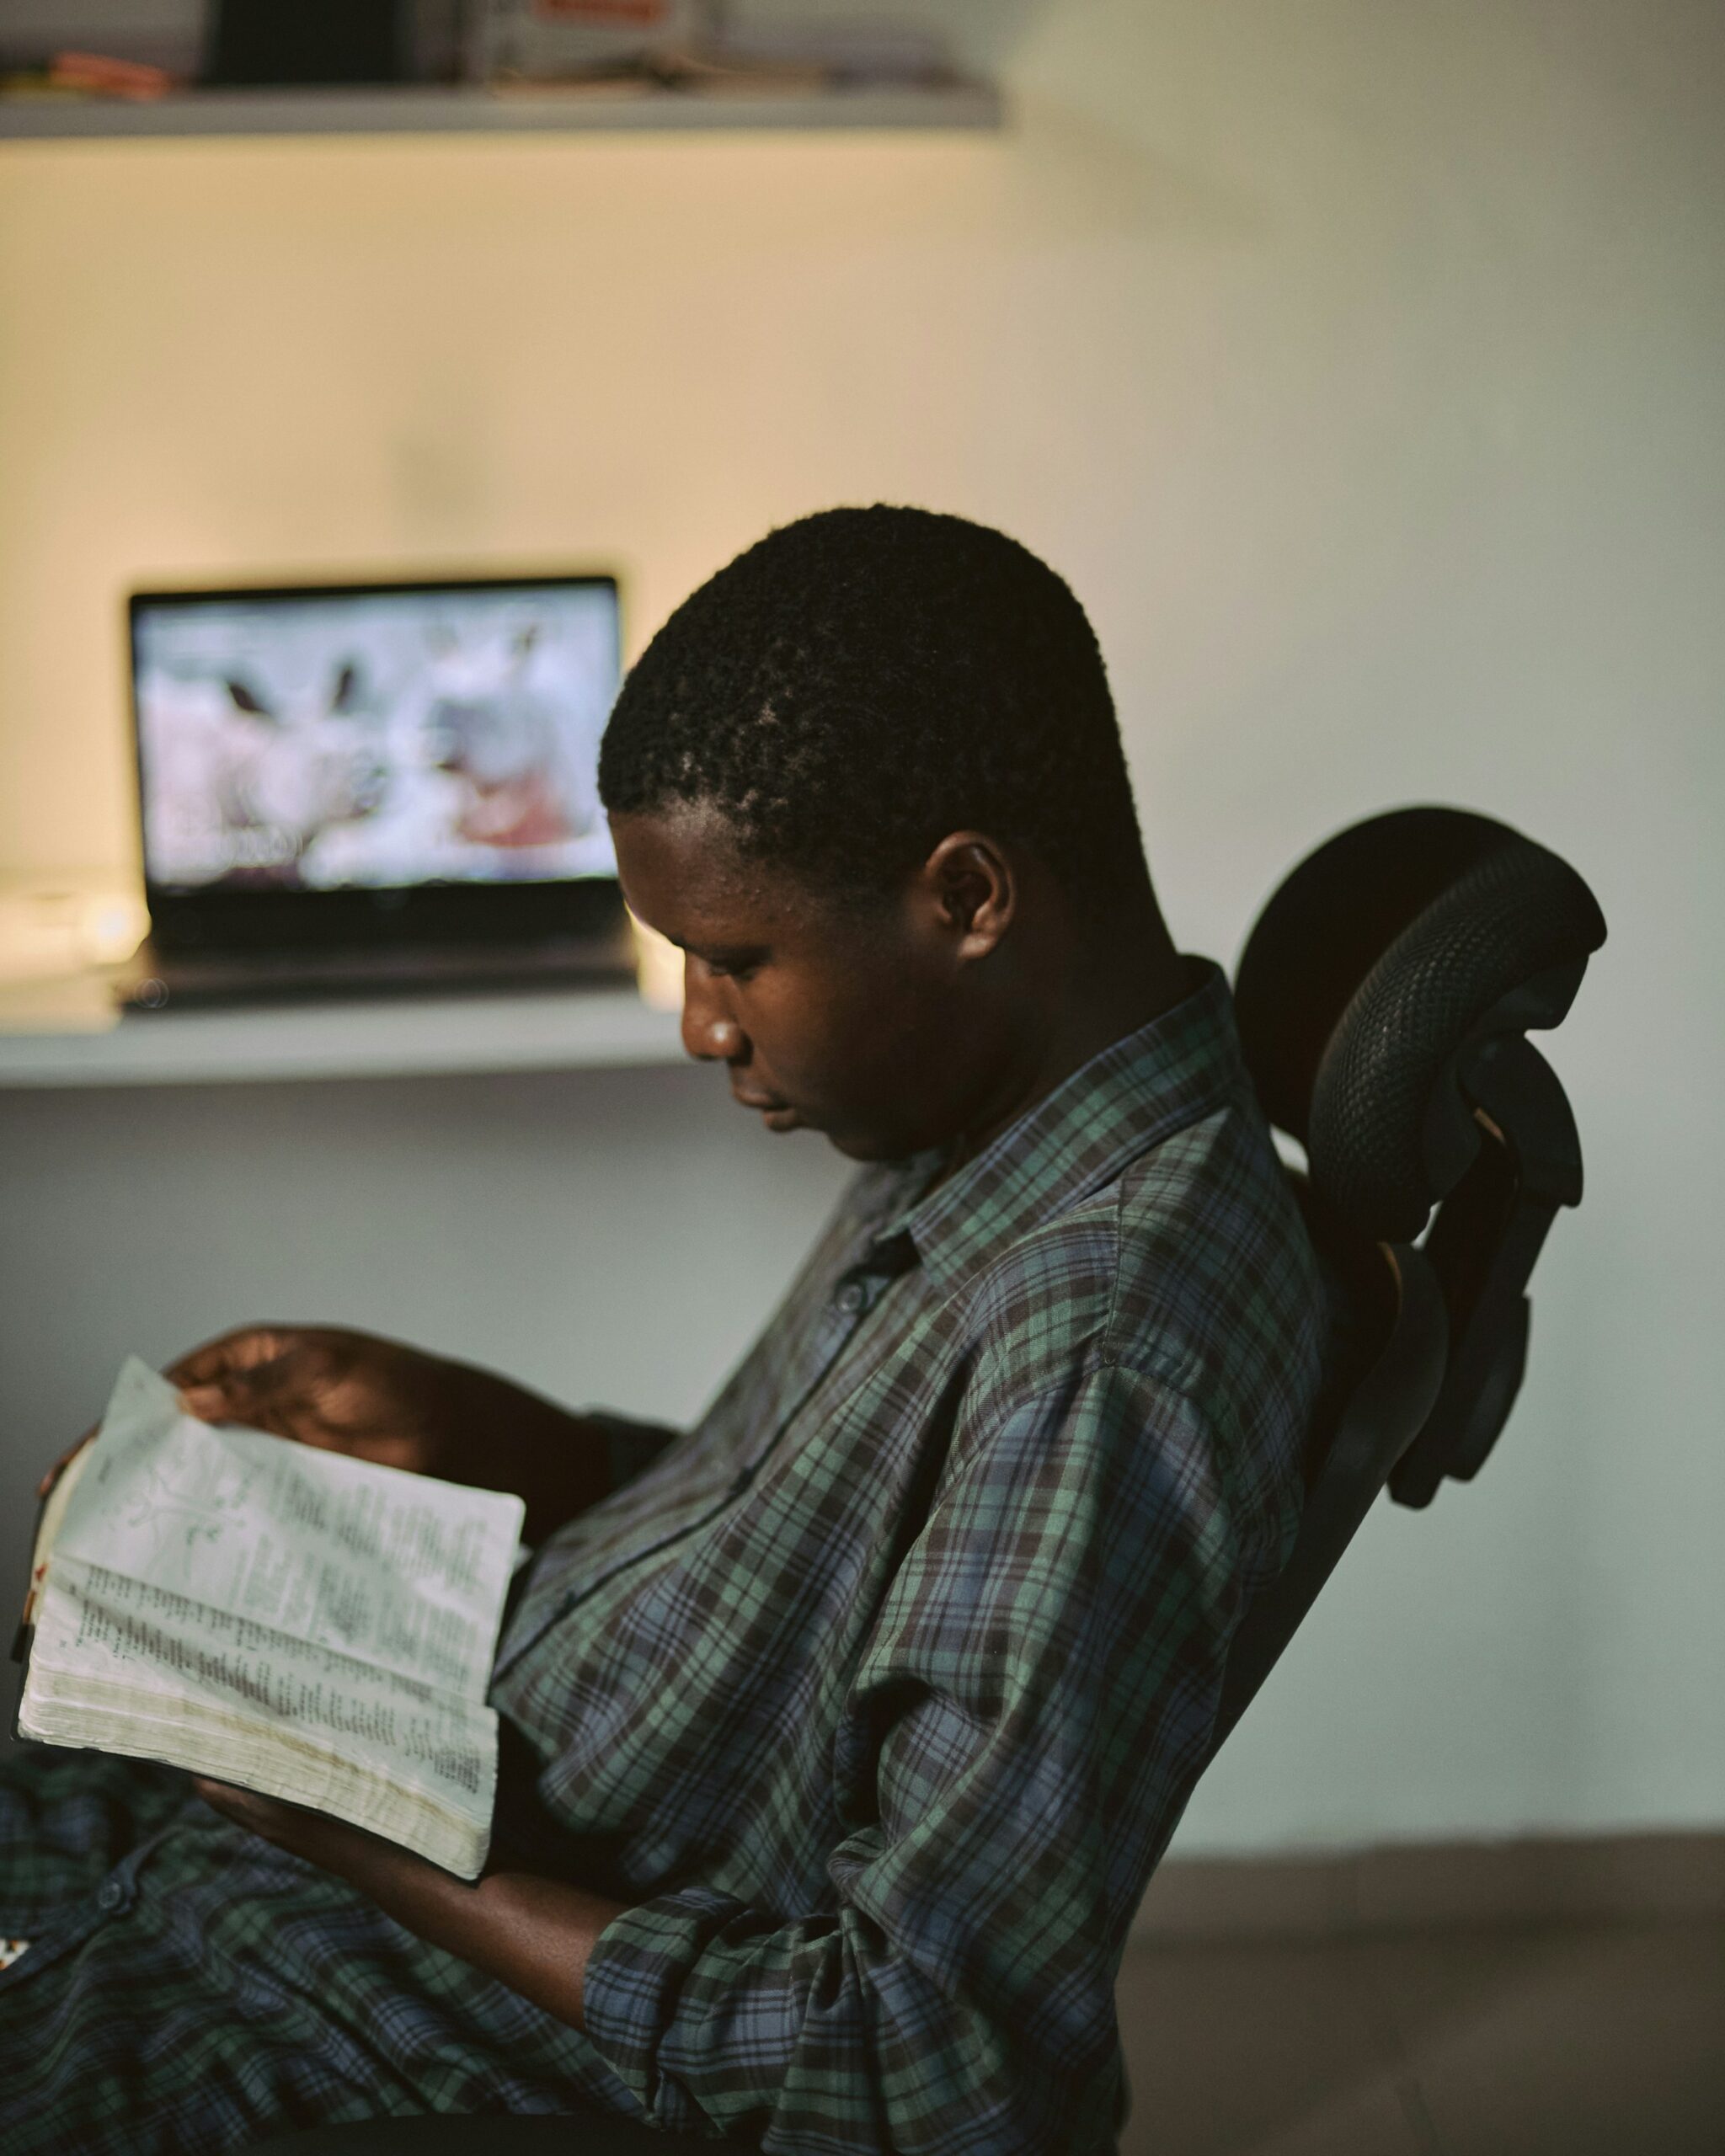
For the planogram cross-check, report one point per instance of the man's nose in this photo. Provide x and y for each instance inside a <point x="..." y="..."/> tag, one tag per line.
<point x="710" y="1033"/>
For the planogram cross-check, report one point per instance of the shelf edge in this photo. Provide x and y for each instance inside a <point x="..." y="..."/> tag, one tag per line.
<point x="264" y="113"/>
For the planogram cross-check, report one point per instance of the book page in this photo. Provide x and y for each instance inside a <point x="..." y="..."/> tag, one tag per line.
<point x="397" y="1570"/>
<point x="132" y="1668"/>
<point x="151" y="1646"/>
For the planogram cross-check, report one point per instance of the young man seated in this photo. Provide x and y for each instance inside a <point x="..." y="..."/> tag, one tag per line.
<point x="843" y="1730"/>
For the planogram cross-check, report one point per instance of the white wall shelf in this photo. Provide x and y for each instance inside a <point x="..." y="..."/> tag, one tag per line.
<point x="587" y="1028"/>
<point x="438" y="111"/>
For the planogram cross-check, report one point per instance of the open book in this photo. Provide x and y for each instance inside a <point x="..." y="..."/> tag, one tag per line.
<point x="292" y="1621"/>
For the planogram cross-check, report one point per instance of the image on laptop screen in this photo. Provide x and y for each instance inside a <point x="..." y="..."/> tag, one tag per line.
<point x="374" y="738"/>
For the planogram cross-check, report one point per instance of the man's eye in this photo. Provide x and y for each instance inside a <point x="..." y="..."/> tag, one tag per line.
<point x="732" y="969"/>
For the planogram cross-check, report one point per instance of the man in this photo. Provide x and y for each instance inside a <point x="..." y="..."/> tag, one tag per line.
<point x="842" y="1733"/>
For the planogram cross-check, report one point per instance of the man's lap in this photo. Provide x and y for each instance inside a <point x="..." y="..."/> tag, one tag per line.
<point x="188" y="1988"/>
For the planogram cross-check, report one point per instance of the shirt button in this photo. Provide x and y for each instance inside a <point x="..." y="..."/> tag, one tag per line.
<point x="851" y="1298"/>
<point x="110" y="1895"/>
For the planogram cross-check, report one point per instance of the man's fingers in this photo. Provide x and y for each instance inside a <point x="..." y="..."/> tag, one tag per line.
<point x="214" y="1403"/>
<point x="260" y="1374"/>
<point x="270" y="1407"/>
<point x="244" y="1806"/>
<point x="257" y="1397"/>
<point x="263" y="1378"/>
<point x="231" y="1354"/>
<point x="313" y="1835"/>
<point x="306" y="1384"/>
<point x="225" y="1796"/>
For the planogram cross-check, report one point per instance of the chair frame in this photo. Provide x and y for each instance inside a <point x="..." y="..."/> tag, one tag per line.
<point x="1451" y="1352"/>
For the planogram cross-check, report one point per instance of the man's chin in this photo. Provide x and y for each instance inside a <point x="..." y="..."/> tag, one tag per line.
<point x="865" y="1147"/>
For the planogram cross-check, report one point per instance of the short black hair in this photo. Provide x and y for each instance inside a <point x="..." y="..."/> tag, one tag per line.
<point x="862" y="682"/>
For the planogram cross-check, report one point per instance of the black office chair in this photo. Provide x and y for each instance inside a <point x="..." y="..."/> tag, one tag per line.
<point x="1384" y="998"/>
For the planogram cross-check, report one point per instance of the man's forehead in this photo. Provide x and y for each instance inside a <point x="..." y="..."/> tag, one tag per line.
<point x="683" y="862"/>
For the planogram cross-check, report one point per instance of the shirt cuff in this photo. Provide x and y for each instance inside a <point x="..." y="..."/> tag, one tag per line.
<point x="641" y="1966"/>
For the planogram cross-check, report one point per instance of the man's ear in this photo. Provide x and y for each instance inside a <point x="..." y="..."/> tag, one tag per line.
<point x="970" y="880"/>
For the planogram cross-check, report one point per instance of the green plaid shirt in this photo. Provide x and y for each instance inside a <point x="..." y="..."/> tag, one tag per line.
<point x="875" y="1697"/>
<point x="878" y="1694"/>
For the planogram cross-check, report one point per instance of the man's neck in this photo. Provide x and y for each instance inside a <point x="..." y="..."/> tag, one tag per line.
<point x="1101" y="1000"/>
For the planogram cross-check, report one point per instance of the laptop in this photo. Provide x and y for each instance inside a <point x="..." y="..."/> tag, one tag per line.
<point x="365" y="788"/>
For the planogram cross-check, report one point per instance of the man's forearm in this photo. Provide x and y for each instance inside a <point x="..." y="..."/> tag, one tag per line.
<point x="533" y="1934"/>
<point x="557" y="1461"/>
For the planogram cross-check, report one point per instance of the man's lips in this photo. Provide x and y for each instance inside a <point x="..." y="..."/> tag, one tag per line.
<point x="778" y="1115"/>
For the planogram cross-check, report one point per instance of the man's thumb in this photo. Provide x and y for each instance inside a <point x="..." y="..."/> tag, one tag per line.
<point x="224" y="1399"/>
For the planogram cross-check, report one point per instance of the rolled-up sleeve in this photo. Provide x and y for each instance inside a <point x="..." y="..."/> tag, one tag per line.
<point x="1028" y="1715"/>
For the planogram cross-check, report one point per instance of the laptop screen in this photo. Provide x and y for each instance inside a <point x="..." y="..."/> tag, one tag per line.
<point x="374" y="737"/>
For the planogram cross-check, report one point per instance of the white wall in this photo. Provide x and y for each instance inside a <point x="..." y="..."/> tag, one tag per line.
<point x="1360" y="366"/>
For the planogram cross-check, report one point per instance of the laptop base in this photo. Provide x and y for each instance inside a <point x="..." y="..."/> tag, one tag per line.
<point x="155" y="979"/>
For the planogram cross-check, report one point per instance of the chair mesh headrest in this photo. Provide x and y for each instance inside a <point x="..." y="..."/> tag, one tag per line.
<point x="1381" y="957"/>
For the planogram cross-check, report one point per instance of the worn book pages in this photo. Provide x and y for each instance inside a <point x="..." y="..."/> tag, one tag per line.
<point x="304" y="1624"/>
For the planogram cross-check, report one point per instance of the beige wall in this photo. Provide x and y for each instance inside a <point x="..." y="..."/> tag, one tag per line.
<point x="1360" y="363"/>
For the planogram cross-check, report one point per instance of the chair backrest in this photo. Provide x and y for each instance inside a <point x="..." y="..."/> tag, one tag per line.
<point x="1383" y="999"/>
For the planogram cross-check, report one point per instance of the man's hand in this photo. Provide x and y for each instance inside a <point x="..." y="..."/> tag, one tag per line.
<point x="533" y="1934"/>
<point x="380" y="1400"/>
<point x="380" y="1869"/>
<point x="322" y="1384"/>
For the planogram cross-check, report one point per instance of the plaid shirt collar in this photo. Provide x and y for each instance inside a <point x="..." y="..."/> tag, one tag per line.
<point x="1076" y="1140"/>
